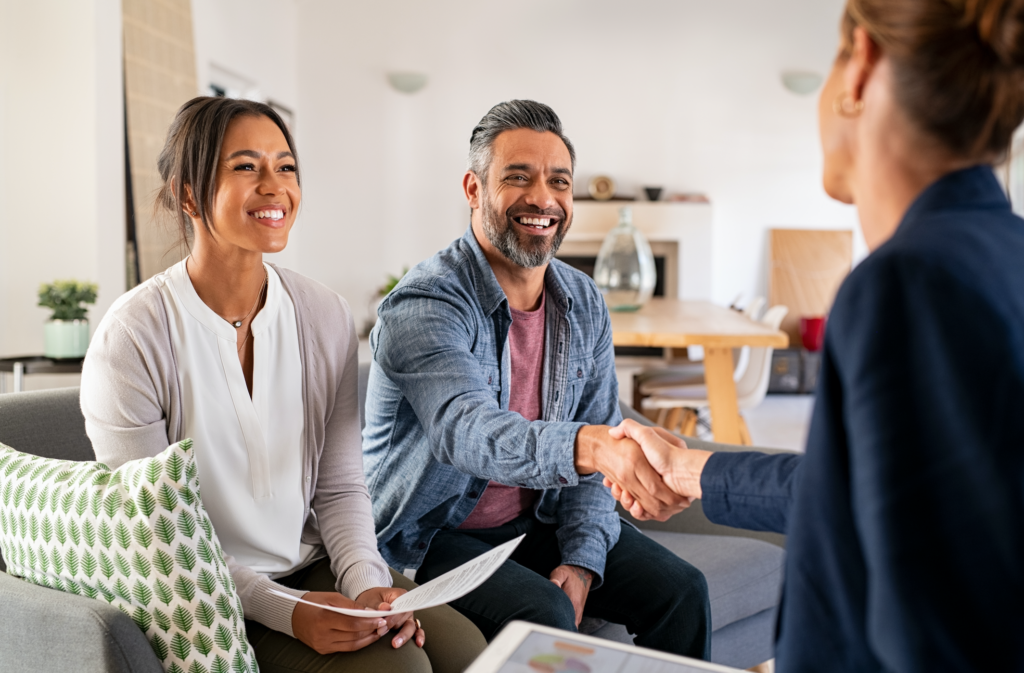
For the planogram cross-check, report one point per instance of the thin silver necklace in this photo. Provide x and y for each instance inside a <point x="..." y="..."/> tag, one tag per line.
<point x="238" y="323"/>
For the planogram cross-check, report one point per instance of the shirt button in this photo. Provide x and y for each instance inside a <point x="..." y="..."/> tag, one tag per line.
<point x="563" y="480"/>
<point x="308" y="479"/>
<point x="579" y="373"/>
<point x="472" y="494"/>
<point x="489" y="380"/>
<point x="422" y="545"/>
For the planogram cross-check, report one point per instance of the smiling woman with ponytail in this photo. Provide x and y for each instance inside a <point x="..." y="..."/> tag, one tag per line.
<point x="905" y="518"/>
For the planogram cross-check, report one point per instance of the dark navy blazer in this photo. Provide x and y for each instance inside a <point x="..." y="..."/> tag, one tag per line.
<point x="905" y="519"/>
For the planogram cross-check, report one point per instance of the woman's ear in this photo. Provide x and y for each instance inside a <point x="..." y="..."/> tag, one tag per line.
<point x="188" y="204"/>
<point x="864" y="56"/>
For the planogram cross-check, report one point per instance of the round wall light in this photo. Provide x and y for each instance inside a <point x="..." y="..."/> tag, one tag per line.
<point x="801" y="82"/>
<point x="407" y="82"/>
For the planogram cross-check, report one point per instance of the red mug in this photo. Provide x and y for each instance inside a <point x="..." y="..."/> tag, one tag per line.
<point x="812" y="332"/>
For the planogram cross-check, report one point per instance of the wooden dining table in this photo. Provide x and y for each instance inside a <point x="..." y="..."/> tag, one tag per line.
<point x="677" y="323"/>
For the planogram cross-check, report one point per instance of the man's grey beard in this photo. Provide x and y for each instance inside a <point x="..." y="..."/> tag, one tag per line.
<point x="502" y="234"/>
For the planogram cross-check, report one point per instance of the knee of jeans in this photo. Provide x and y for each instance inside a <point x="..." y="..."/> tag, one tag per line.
<point x="690" y="585"/>
<point x="550" y="606"/>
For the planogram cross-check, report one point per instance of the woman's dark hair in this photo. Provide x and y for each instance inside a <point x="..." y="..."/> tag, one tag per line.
<point x="190" y="155"/>
<point x="958" y="66"/>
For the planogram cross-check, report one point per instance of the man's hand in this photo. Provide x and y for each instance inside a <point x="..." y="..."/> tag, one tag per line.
<point x="575" y="582"/>
<point x="679" y="466"/>
<point x="621" y="460"/>
<point x="381" y="598"/>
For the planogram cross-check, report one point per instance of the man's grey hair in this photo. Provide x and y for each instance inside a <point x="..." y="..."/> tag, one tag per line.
<point x="508" y="116"/>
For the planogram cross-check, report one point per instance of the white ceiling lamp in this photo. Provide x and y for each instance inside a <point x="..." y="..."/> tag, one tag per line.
<point x="801" y="82"/>
<point x="407" y="82"/>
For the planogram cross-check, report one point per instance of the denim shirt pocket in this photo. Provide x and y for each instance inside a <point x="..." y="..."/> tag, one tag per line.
<point x="580" y="372"/>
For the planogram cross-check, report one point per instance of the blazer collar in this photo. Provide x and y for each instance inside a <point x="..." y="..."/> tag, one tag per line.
<point x="975" y="188"/>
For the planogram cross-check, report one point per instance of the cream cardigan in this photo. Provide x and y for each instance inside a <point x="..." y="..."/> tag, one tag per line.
<point x="132" y="404"/>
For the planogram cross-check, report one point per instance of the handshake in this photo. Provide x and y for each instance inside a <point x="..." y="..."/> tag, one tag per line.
<point x="649" y="470"/>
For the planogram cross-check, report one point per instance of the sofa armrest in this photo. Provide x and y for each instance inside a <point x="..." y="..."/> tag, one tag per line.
<point x="43" y="630"/>
<point x="692" y="520"/>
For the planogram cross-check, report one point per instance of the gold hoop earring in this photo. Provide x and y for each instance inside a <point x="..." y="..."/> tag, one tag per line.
<point x="846" y="107"/>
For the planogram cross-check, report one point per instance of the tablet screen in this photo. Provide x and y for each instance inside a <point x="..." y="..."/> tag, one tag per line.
<point x="543" y="653"/>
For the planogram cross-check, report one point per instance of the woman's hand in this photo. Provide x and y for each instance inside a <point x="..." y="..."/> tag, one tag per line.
<point x="381" y="598"/>
<point x="327" y="632"/>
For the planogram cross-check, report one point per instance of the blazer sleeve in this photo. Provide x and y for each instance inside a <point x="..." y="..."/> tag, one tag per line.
<point x="750" y="490"/>
<point x="341" y="500"/>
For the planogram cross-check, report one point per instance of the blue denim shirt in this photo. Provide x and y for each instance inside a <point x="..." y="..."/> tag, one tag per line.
<point x="438" y="426"/>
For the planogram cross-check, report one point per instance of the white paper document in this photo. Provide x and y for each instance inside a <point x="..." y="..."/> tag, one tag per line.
<point x="444" y="589"/>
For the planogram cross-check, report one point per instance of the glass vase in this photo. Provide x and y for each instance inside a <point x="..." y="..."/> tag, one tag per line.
<point x="625" y="271"/>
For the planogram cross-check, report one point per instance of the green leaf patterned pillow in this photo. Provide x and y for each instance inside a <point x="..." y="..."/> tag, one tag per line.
<point x="137" y="537"/>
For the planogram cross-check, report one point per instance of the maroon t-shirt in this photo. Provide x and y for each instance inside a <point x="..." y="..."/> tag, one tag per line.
<point x="500" y="504"/>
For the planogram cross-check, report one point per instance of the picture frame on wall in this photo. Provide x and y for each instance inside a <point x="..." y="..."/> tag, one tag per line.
<point x="1015" y="174"/>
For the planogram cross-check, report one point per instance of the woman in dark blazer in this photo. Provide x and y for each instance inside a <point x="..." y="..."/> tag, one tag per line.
<point x="905" y="519"/>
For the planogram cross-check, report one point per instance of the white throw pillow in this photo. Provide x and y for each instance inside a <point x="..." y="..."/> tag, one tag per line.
<point x="137" y="537"/>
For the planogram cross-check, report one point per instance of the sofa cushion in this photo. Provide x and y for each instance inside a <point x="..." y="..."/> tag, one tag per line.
<point x="744" y="576"/>
<point x="137" y="537"/>
<point x="46" y="423"/>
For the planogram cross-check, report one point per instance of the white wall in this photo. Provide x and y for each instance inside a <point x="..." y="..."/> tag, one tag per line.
<point x="61" y="158"/>
<point x="679" y="93"/>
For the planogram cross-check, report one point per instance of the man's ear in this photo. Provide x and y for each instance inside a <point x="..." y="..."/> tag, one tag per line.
<point x="865" y="54"/>
<point x="473" y="188"/>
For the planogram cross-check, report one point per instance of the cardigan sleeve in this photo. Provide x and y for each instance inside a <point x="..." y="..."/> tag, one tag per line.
<point x="341" y="500"/>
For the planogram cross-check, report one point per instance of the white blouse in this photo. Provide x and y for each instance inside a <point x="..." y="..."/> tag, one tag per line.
<point x="248" y="450"/>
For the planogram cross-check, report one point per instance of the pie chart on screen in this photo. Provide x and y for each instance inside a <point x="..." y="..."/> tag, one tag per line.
<point x="567" y="658"/>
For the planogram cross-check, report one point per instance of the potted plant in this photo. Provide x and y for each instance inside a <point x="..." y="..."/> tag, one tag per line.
<point x="66" y="334"/>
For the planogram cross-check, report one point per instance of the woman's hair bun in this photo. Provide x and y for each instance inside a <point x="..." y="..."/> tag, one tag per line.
<point x="1000" y="26"/>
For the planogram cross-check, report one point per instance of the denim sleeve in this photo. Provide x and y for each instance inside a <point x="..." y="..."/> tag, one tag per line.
<point x="750" y="490"/>
<point x="588" y="526"/>
<point x="424" y="345"/>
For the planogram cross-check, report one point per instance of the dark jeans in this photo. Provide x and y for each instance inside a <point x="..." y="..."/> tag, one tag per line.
<point x="661" y="599"/>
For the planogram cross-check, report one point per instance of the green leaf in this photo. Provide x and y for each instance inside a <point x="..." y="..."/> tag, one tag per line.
<point x="196" y="667"/>
<point x="222" y="636"/>
<point x="192" y="471"/>
<point x="107" y="594"/>
<point x="105" y="536"/>
<point x="163" y="592"/>
<point x="43" y="496"/>
<point x="74" y="533"/>
<point x="122" y="535"/>
<point x="142" y="618"/>
<point x="89" y="591"/>
<point x="26" y="468"/>
<point x="164" y="529"/>
<point x="96" y="503"/>
<point x="82" y="503"/>
<point x="146" y="501"/>
<point x="88" y="564"/>
<point x="143" y="594"/>
<point x="112" y="503"/>
<point x="153" y="469"/>
<point x="238" y="664"/>
<point x="122" y="564"/>
<point x="54" y="498"/>
<point x="141" y="565"/>
<point x="185" y="588"/>
<point x="122" y="590"/>
<point x="143" y="535"/>
<point x="163" y="562"/>
<point x="56" y="561"/>
<point x="167" y="498"/>
<point x="185" y="444"/>
<point x="159" y="647"/>
<point x="219" y="665"/>
<point x="14" y="465"/>
<point x="182" y="618"/>
<point x="185" y="557"/>
<point x="186" y="524"/>
<point x="71" y="587"/>
<point x="100" y="478"/>
<point x="33" y="527"/>
<point x="89" y="533"/>
<point x="206" y="582"/>
<point x="174" y="668"/>
<point x="5" y="523"/>
<point x="32" y="557"/>
<point x="136" y="478"/>
<point x="173" y="467"/>
<point x="204" y="644"/>
<point x="30" y="497"/>
<point x="19" y="494"/>
<point x="224" y="608"/>
<point x="66" y="501"/>
<point x="207" y="527"/>
<point x="71" y="561"/>
<point x="8" y="493"/>
<point x="187" y="495"/>
<point x="44" y="560"/>
<point x="205" y="551"/>
<point x="205" y="614"/>
<point x="130" y="510"/>
<point x="163" y="622"/>
<point x="22" y="525"/>
<point x="106" y="567"/>
<point x="61" y="531"/>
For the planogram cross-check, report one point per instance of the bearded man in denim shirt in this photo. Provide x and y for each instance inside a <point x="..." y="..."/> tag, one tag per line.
<point x="490" y="395"/>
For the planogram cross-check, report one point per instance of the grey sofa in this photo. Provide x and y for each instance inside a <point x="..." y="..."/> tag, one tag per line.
<point x="42" y="630"/>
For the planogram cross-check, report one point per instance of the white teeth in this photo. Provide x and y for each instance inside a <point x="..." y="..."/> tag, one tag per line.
<point x="537" y="222"/>
<point x="268" y="214"/>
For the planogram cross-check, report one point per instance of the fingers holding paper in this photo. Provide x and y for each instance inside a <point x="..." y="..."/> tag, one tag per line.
<point x="381" y="598"/>
<point x="326" y="631"/>
<point x="667" y="454"/>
